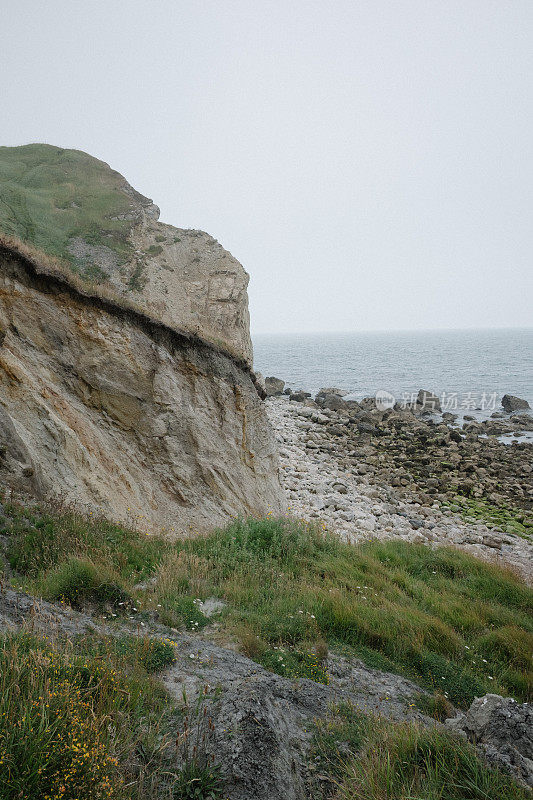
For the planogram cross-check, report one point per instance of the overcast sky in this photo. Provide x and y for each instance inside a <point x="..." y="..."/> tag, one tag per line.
<point x="369" y="162"/>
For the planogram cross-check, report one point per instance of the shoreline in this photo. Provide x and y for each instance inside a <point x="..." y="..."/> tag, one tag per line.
<point x="360" y="472"/>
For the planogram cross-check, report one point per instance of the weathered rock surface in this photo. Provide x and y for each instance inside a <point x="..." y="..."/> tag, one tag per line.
<point x="503" y="729"/>
<point x="108" y="407"/>
<point x="511" y="403"/>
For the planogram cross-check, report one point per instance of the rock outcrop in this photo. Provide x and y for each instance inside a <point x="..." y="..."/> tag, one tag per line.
<point x="503" y="731"/>
<point x="139" y="402"/>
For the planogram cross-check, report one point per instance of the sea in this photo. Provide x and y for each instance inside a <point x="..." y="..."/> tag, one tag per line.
<point x="470" y="370"/>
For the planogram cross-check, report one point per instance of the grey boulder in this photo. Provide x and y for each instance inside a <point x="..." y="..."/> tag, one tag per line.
<point x="511" y="403"/>
<point x="503" y="730"/>
<point x="274" y="386"/>
<point x="427" y="401"/>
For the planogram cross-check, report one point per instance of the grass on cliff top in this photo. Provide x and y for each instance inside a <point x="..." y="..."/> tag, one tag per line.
<point x="49" y="195"/>
<point x="453" y="623"/>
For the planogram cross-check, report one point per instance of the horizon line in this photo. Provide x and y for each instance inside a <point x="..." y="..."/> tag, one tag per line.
<point x="389" y="330"/>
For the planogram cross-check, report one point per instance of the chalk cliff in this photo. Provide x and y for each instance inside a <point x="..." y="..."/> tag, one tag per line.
<point x="126" y="378"/>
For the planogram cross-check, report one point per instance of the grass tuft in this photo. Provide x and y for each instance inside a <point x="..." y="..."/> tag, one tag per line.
<point x="404" y="762"/>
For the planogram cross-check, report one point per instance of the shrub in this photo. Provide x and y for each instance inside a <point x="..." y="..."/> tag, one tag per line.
<point x="70" y="720"/>
<point x="78" y="581"/>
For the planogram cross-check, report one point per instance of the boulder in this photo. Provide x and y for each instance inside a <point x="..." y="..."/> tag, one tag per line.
<point x="511" y="403"/>
<point x="503" y="730"/>
<point x="427" y="401"/>
<point x="298" y="397"/>
<point x="260" y="383"/>
<point x="330" y="390"/>
<point x="333" y="402"/>
<point x="274" y="386"/>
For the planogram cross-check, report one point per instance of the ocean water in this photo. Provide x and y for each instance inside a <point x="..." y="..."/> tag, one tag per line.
<point x="470" y="370"/>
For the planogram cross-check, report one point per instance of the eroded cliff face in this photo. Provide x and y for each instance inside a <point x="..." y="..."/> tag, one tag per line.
<point x="113" y="408"/>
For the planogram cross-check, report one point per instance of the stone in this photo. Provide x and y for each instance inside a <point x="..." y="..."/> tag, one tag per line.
<point x="503" y="730"/>
<point x="341" y="488"/>
<point x="490" y="540"/>
<point x="448" y="417"/>
<point x="511" y="403"/>
<point x="274" y="386"/>
<point x="333" y="402"/>
<point x="211" y="606"/>
<point x="260" y="383"/>
<point x="330" y="390"/>
<point x="427" y="401"/>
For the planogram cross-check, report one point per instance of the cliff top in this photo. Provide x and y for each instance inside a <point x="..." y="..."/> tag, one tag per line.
<point x="82" y="218"/>
<point x="50" y="197"/>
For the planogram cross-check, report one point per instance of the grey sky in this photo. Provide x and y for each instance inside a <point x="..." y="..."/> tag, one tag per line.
<point x="369" y="163"/>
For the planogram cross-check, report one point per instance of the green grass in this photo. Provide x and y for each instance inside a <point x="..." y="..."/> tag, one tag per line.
<point x="78" y="581"/>
<point x="154" y="655"/>
<point x="456" y="625"/>
<point x="49" y="196"/>
<point x="72" y="718"/>
<point x="405" y="762"/>
<point x="336" y="739"/>
<point x="434" y="615"/>
<point x="41" y="539"/>
<point x="435" y="705"/>
<point x="90" y="717"/>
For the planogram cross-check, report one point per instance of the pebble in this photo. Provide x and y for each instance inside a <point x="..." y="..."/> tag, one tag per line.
<point x="343" y="501"/>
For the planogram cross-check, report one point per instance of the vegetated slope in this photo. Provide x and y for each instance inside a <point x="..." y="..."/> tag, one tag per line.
<point x="50" y="196"/>
<point x="85" y="719"/>
<point x="449" y="621"/>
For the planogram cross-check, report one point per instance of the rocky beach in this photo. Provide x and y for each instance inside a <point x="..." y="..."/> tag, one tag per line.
<point x="407" y="473"/>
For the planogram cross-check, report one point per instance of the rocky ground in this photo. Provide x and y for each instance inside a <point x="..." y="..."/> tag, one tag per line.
<point x="262" y="723"/>
<point x="369" y="473"/>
